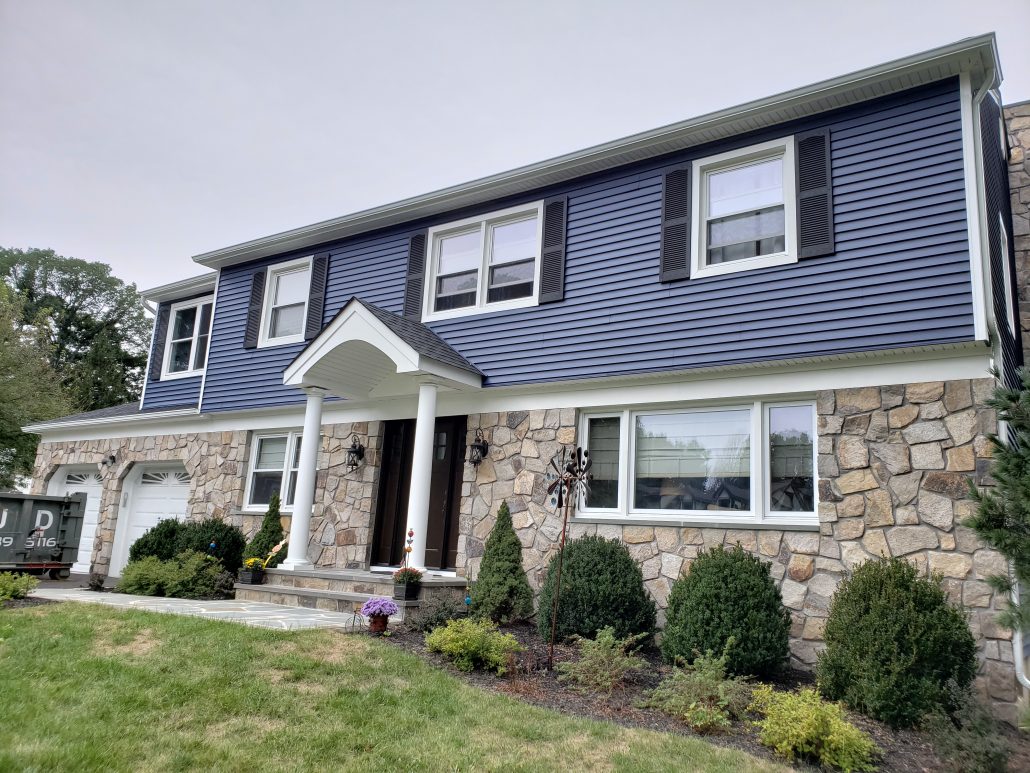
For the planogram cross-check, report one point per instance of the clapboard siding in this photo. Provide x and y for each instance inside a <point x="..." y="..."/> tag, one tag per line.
<point x="899" y="276"/>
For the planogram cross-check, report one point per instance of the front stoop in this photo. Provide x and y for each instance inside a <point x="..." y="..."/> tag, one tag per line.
<point x="338" y="590"/>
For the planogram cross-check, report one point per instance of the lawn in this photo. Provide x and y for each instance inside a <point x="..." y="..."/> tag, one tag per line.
<point x="84" y="687"/>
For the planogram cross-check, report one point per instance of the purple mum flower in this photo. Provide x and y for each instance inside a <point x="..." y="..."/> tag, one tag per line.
<point x="378" y="606"/>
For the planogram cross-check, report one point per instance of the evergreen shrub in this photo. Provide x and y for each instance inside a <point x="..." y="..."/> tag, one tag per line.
<point x="268" y="536"/>
<point x="501" y="592"/>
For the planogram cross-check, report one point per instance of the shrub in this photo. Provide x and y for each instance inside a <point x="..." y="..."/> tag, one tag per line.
<point x="170" y="537"/>
<point x="702" y="695"/>
<point x="267" y="537"/>
<point x="96" y="581"/>
<point x="190" y="575"/>
<point x="501" y="592"/>
<point x="968" y="741"/>
<point x="601" y="587"/>
<point x="894" y="643"/>
<point x="434" y="612"/>
<point x="472" y="644"/>
<point x="801" y="725"/>
<point x="728" y="594"/>
<point x="604" y="663"/>
<point x="16" y="586"/>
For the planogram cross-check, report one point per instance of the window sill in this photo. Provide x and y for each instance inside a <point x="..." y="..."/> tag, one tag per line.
<point x="262" y="509"/>
<point x="471" y="311"/>
<point x="794" y="524"/>
<point x="271" y="343"/>
<point x="747" y="264"/>
<point x="183" y="374"/>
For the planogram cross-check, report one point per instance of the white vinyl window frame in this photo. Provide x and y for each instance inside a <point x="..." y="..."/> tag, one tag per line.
<point x="1006" y="269"/>
<point x="198" y="303"/>
<point x="760" y="512"/>
<point x="271" y="275"/>
<point x="485" y="224"/>
<point x="702" y="168"/>
<point x="293" y="438"/>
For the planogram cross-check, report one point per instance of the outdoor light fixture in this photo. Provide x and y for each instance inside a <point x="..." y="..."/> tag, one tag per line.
<point x="478" y="449"/>
<point x="107" y="461"/>
<point x="355" y="453"/>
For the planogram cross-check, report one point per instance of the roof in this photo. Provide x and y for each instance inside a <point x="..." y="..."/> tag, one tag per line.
<point x="184" y="288"/>
<point x="977" y="56"/>
<point x="112" y="413"/>
<point x="420" y="338"/>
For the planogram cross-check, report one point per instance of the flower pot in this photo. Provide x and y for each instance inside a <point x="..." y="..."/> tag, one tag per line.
<point x="251" y="576"/>
<point x="406" y="591"/>
<point x="377" y="623"/>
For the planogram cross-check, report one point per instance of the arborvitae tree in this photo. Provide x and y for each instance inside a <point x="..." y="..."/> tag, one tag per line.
<point x="268" y="536"/>
<point x="501" y="592"/>
<point x="1003" y="518"/>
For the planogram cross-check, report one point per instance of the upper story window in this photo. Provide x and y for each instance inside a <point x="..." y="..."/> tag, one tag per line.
<point x="745" y="205"/>
<point x="750" y="463"/>
<point x="484" y="263"/>
<point x="283" y="317"/>
<point x="189" y="332"/>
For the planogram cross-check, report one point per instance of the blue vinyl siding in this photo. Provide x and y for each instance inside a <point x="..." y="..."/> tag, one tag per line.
<point x="899" y="278"/>
<point x="173" y="393"/>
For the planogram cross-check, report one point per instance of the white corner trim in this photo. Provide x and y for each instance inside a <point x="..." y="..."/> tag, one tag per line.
<point x="976" y="208"/>
<point x="210" y="338"/>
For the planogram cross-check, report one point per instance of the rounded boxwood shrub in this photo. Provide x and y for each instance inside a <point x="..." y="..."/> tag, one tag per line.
<point x="501" y="591"/>
<point x="158" y="542"/>
<point x="171" y="537"/>
<point x="728" y="594"/>
<point x="601" y="587"/>
<point x="268" y="536"/>
<point x="894" y="643"/>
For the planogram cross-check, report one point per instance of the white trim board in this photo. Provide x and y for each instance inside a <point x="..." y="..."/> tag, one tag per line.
<point x="794" y="381"/>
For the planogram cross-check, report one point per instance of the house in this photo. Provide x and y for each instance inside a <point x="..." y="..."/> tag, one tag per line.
<point x="772" y="325"/>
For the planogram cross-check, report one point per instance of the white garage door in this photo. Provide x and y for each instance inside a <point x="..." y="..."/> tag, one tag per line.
<point x="155" y="494"/>
<point x="71" y="480"/>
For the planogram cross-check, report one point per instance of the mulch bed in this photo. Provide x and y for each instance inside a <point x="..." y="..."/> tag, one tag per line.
<point x="904" y="751"/>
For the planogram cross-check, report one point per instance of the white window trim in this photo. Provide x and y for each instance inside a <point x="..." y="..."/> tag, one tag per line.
<point x="167" y="375"/>
<point x="760" y="513"/>
<point x="292" y="438"/>
<point x="264" y="340"/>
<point x="1006" y="270"/>
<point x="436" y="233"/>
<point x="700" y="170"/>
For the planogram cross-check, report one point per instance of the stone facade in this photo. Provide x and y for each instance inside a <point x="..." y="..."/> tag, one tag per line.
<point x="1017" y="121"/>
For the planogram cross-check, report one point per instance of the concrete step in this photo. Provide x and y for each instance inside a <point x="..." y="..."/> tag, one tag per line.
<point x="314" y="598"/>
<point x="354" y="581"/>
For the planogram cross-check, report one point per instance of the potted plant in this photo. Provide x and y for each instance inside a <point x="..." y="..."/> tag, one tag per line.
<point x="253" y="572"/>
<point x="406" y="583"/>
<point x="378" y="611"/>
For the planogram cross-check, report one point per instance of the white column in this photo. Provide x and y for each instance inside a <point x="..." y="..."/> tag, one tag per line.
<point x="304" y="497"/>
<point x="421" y="473"/>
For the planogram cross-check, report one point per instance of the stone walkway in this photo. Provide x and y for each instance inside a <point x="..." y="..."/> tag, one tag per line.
<point x="254" y="613"/>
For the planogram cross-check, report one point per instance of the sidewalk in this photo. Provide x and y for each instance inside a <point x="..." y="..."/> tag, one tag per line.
<point x="253" y="613"/>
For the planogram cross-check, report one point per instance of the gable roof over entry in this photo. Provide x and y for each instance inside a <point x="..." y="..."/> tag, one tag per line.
<point x="366" y="352"/>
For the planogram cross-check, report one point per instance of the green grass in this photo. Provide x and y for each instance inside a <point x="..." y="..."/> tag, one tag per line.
<point x="85" y="687"/>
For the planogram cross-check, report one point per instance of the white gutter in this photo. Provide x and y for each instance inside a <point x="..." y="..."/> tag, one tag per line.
<point x="182" y="288"/>
<point x="978" y="54"/>
<point x="38" y="429"/>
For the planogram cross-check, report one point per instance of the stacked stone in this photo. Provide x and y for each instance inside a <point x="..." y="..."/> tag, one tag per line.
<point x="895" y="465"/>
<point x="1017" y="120"/>
<point x="522" y="444"/>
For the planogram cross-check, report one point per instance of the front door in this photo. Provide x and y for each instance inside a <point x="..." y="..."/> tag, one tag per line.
<point x="444" y="493"/>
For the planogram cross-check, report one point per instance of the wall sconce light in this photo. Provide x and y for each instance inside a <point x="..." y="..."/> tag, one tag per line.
<point x="355" y="454"/>
<point x="107" y="461"/>
<point x="478" y="449"/>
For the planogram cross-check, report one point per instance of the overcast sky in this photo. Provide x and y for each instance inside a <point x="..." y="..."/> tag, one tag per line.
<point x="141" y="133"/>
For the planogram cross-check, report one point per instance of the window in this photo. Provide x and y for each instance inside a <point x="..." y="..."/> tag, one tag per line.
<point x="484" y="263"/>
<point x="286" y="303"/>
<point x="1010" y="310"/>
<point x="744" y="463"/>
<point x="744" y="209"/>
<point x="189" y="331"/>
<point x="269" y="472"/>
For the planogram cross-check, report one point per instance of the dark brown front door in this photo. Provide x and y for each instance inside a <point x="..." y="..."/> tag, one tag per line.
<point x="444" y="493"/>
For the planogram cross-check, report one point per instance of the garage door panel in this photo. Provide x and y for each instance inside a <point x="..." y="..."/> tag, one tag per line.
<point x="157" y="496"/>
<point x="90" y="483"/>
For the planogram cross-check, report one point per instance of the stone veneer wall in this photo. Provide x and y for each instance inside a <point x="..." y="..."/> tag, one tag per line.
<point x="217" y="463"/>
<point x="1017" y="120"/>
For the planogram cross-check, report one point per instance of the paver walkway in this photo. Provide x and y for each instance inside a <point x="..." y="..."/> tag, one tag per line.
<point x="255" y="613"/>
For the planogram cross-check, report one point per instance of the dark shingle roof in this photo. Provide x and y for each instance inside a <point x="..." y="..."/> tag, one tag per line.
<point x="420" y="338"/>
<point x="112" y="412"/>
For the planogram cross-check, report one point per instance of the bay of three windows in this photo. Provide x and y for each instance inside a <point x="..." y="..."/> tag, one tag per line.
<point x="751" y="462"/>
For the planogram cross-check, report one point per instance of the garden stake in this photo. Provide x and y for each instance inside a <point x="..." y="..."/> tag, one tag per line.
<point x="570" y="480"/>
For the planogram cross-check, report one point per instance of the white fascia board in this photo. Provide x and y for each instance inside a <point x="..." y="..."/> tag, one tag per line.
<point x="45" y="427"/>
<point x="784" y="381"/>
<point x="183" y="288"/>
<point x="976" y="55"/>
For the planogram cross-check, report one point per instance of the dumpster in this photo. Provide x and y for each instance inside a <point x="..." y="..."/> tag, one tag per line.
<point x="39" y="533"/>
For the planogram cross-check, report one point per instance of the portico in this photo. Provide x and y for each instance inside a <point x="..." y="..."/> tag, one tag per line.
<point x="366" y="354"/>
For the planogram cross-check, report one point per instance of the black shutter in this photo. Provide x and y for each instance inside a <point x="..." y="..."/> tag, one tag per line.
<point x="257" y="297"/>
<point x="316" y="297"/>
<point x="675" y="250"/>
<point x="815" y="195"/>
<point x="416" y="276"/>
<point x="157" y="355"/>
<point x="552" y="252"/>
